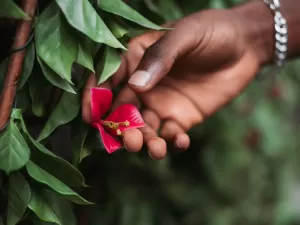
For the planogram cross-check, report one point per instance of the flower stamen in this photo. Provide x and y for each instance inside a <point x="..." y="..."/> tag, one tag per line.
<point x="115" y="126"/>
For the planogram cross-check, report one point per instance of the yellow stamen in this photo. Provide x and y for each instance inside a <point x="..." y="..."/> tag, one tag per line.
<point x="115" y="126"/>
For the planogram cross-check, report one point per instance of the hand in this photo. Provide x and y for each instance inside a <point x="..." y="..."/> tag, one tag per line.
<point x="182" y="76"/>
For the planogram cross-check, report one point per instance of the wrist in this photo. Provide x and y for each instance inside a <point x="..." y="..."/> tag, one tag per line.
<point x="258" y="24"/>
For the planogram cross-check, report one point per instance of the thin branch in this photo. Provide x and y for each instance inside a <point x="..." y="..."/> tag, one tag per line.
<point x="16" y="62"/>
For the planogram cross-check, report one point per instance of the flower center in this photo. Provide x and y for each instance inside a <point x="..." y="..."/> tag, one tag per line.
<point x="115" y="126"/>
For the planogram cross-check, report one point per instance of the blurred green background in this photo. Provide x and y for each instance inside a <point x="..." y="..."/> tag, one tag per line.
<point x="242" y="167"/>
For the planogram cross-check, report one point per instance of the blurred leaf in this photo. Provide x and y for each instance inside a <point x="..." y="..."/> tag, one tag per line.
<point x="27" y="65"/>
<point x="55" y="44"/>
<point x="53" y="78"/>
<point x="120" y="8"/>
<point x="51" y="162"/>
<point x="14" y="152"/>
<point x="82" y="16"/>
<point x="18" y="198"/>
<point x="10" y="9"/>
<point x="46" y="178"/>
<point x="169" y="15"/>
<point x="65" y="111"/>
<point x="42" y="208"/>
<point x="108" y="64"/>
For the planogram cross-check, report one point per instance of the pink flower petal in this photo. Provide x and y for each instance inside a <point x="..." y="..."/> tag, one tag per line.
<point x="101" y="100"/>
<point x="110" y="143"/>
<point x="123" y="113"/>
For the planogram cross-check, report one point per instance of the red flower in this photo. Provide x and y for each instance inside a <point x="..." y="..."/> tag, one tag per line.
<point x="123" y="118"/>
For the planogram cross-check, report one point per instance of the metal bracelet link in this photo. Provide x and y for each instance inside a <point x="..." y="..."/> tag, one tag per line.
<point x="281" y="33"/>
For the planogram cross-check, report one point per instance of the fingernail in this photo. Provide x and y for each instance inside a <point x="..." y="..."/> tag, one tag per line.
<point x="140" y="78"/>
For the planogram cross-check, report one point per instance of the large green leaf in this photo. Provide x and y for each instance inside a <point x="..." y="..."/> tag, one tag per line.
<point x="55" y="44"/>
<point x="108" y="64"/>
<point x="61" y="207"/>
<point x="40" y="205"/>
<point x="54" y="79"/>
<point x="65" y="111"/>
<point x="18" y="198"/>
<point x="14" y="151"/>
<point x="49" y="161"/>
<point x="46" y="178"/>
<point x="82" y="16"/>
<point x="27" y="65"/>
<point x="10" y="9"/>
<point x="120" y="8"/>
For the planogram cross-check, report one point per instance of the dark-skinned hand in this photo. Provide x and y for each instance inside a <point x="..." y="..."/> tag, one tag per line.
<point x="180" y="77"/>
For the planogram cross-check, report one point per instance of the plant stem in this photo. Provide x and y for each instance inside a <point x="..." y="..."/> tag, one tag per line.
<point x="16" y="62"/>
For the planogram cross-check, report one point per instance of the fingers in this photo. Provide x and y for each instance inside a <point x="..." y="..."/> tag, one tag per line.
<point x="159" y="58"/>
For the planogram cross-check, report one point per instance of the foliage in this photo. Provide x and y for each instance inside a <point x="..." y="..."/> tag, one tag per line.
<point x="239" y="168"/>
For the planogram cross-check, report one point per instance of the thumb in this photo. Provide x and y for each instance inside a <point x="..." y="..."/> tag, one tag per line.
<point x="160" y="57"/>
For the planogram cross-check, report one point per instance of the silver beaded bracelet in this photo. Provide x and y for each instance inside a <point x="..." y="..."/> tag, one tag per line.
<point x="281" y="33"/>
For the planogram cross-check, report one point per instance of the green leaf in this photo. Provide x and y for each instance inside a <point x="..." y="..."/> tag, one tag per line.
<point x="49" y="161"/>
<point x="82" y="16"/>
<point x="66" y="110"/>
<point x="54" y="165"/>
<point x="79" y="134"/>
<point x="9" y="9"/>
<point x="27" y="65"/>
<point x="55" y="44"/>
<point x="85" y="53"/>
<point x="41" y="207"/>
<point x="18" y="198"/>
<point x="108" y="65"/>
<point x="120" y="8"/>
<point x="46" y="178"/>
<point x="54" y="79"/>
<point x="14" y="151"/>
